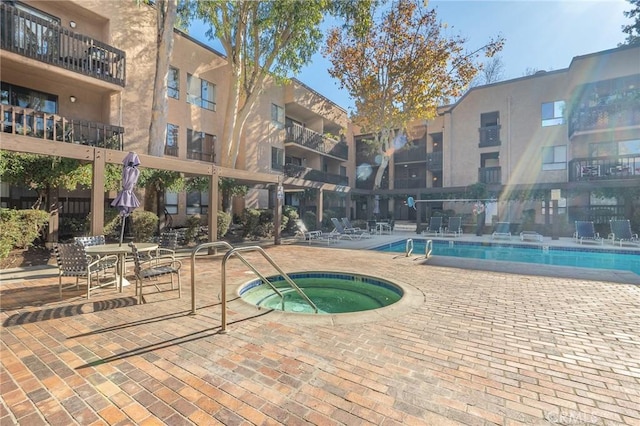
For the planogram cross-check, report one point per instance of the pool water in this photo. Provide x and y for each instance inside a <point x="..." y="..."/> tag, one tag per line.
<point x="581" y="257"/>
<point x="332" y="293"/>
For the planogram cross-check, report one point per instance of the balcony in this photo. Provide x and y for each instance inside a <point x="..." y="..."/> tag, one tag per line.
<point x="489" y="136"/>
<point x="52" y="127"/>
<point x="48" y="42"/>
<point x="418" y="182"/>
<point x="606" y="117"/>
<point x="411" y="155"/>
<point x="490" y="175"/>
<point x="300" y="135"/>
<point x="605" y="168"/>
<point x="301" y="172"/>
<point x="208" y="157"/>
<point x="434" y="161"/>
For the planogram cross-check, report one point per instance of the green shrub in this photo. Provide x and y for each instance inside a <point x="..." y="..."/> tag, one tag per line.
<point x="326" y="219"/>
<point x="144" y="225"/>
<point x="224" y="220"/>
<point x="289" y="217"/>
<point x="257" y="223"/>
<point x="310" y="219"/>
<point x="20" y="228"/>
<point x="193" y="226"/>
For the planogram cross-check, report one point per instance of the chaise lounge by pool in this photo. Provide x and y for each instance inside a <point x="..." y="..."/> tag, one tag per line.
<point x="581" y="257"/>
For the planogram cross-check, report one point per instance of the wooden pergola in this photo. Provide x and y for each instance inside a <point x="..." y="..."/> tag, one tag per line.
<point x="100" y="157"/>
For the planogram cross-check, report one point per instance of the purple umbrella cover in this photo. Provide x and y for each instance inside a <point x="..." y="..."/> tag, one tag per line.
<point x="126" y="201"/>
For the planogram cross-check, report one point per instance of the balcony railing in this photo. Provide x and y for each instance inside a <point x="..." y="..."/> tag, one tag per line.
<point x="52" y="127"/>
<point x="605" y="168"/>
<point x="434" y="161"/>
<point x="489" y="136"/>
<point x="490" y="175"/>
<point x="410" y="155"/>
<point x="171" y="151"/>
<point x="409" y="183"/>
<point x="605" y="117"/>
<point x="308" y="138"/>
<point x="209" y="157"/>
<point x="301" y="172"/>
<point x="48" y="42"/>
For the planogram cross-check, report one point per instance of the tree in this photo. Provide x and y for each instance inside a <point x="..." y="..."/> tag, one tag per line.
<point x="42" y="173"/>
<point x="264" y="39"/>
<point x="633" y="30"/>
<point x="166" y="19"/>
<point x="400" y="70"/>
<point x="491" y="71"/>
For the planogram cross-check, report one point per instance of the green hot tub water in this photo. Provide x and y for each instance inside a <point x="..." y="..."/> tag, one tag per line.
<point x="332" y="293"/>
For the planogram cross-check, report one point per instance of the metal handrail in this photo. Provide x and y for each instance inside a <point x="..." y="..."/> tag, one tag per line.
<point x="235" y="251"/>
<point x="408" y="248"/>
<point x="264" y="279"/>
<point x="214" y="244"/>
<point x="428" y="248"/>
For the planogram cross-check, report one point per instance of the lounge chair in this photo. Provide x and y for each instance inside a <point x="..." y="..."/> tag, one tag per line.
<point x="621" y="231"/>
<point x="339" y="231"/>
<point x="502" y="230"/>
<point x="454" y="227"/>
<point x="530" y="236"/>
<point x="311" y="236"/>
<point x="348" y="226"/>
<point x="586" y="231"/>
<point x="435" y="226"/>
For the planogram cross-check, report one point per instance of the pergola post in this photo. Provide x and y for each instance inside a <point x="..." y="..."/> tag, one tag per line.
<point x="97" y="193"/>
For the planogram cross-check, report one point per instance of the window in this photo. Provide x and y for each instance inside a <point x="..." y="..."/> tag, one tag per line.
<point x="171" y="202"/>
<point x="197" y="202"/>
<point x="277" y="158"/>
<point x="35" y="35"/>
<point x="171" y="147"/>
<point x="173" y="83"/>
<point x="200" y="146"/>
<point x="201" y="93"/>
<point x="277" y="115"/>
<point x="552" y="113"/>
<point x="28" y="98"/>
<point x="554" y="157"/>
<point x="562" y="207"/>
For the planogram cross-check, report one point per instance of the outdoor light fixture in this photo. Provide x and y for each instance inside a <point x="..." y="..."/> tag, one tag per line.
<point x="72" y="99"/>
<point x="72" y="24"/>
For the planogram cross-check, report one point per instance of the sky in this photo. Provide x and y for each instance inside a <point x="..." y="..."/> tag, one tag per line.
<point x="540" y="34"/>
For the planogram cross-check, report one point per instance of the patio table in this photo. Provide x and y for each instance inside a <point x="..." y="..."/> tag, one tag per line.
<point x="121" y="251"/>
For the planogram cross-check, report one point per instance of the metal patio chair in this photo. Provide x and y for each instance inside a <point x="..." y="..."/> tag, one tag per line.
<point x="149" y="273"/>
<point x="73" y="261"/>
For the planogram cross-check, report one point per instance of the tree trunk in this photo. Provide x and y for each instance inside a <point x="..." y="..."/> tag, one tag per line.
<point x="167" y="11"/>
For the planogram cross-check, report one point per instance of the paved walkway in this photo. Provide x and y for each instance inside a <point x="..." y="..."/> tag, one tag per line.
<point x="463" y="346"/>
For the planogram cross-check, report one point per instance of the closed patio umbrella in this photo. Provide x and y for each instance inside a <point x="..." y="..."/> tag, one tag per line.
<point x="126" y="201"/>
<point x="376" y="206"/>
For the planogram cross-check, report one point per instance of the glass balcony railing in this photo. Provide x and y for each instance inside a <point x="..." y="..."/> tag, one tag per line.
<point x="53" y="127"/>
<point x="313" y="140"/>
<point x="48" y="42"/>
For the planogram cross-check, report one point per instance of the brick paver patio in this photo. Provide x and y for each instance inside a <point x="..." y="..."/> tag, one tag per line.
<point x="463" y="347"/>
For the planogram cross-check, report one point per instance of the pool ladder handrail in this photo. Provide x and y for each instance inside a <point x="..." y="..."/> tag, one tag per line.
<point x="194" y="252"/>
<point x="235" y="251"/>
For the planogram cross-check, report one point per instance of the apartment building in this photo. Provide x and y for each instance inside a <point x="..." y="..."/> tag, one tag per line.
<point x="81" y="72"/>
<point x="569" y="134"/>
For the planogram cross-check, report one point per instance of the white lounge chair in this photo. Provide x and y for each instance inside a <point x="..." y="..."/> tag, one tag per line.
<point x="502" y="230"/>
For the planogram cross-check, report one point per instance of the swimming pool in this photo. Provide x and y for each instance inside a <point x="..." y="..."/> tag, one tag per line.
<point x="581" y="257"/>
<point x="331" y="292"/>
